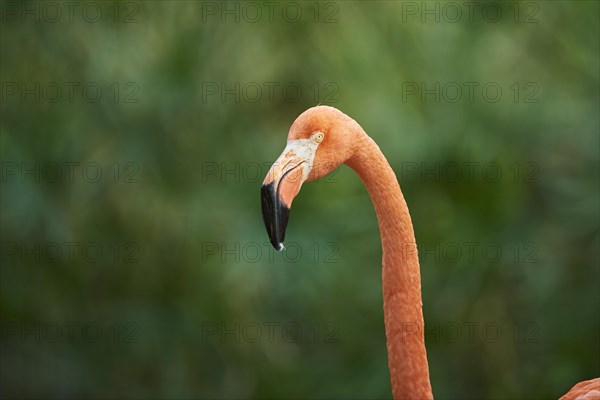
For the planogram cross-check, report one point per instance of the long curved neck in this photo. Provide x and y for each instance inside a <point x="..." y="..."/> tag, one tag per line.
<point x="401" y="278"/>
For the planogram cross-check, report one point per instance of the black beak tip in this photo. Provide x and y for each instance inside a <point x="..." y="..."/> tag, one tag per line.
<point x="275" y="215"/>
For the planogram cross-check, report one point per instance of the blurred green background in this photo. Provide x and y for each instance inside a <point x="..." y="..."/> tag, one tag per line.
<point x="155" y="280"/>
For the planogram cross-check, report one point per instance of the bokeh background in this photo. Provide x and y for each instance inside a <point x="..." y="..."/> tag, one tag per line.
<point x="155" y="279"/>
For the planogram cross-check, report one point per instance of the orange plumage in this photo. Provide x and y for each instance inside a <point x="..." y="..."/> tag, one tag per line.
<point x="321" y="139"/>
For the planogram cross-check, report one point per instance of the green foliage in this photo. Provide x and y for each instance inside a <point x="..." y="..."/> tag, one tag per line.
<point x="176" y="212"/>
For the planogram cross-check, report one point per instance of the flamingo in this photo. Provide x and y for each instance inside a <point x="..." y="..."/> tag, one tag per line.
<point x="320" y="140"/>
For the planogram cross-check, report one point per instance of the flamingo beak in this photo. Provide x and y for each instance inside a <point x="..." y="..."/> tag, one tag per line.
<point x="282" y="184"/>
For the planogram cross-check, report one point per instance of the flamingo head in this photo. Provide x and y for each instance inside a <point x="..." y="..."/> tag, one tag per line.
<point x="320" y="140"/>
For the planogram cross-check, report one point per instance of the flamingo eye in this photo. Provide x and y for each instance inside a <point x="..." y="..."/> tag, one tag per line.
<point x="318" y="137"/>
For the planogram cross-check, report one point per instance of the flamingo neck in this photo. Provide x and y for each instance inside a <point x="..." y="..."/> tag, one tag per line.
<point x="401" y="278"/>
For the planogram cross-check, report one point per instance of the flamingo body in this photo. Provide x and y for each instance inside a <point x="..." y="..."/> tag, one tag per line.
<point x="321" y="139"/>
